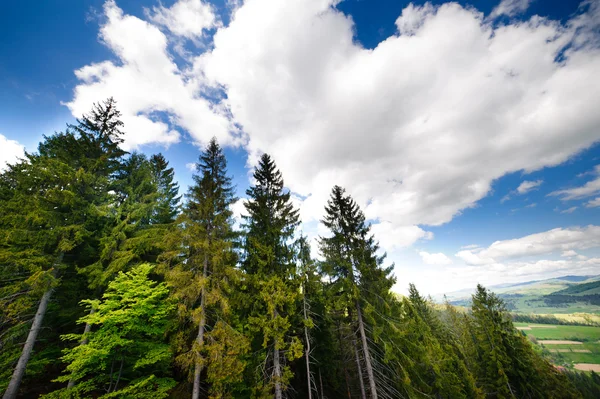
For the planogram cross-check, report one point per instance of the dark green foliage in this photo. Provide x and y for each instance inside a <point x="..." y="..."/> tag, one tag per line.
<point x="181" y="301"/>
<point x="271" y="285"/>
<point x="202" y="275"/>
<point x="168" y="190"/>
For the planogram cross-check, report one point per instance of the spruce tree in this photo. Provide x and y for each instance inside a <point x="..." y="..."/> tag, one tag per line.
<point x="49" y="221"/>
<point x="202" y="276"/>
<point x="270" y="275"/>
<point x="168" y="191"/>
<point x="359" y="280"/>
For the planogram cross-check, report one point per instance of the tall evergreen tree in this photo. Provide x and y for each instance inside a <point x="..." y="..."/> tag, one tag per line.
<point x="203" y="277"/>
<point x="168" y="191"/>
<point x="270" y="273"/>
<point x="53" y="212"/>
<point x="360" y="281"/>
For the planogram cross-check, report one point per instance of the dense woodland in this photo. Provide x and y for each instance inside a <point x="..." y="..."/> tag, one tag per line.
<point x="112" y="286"/>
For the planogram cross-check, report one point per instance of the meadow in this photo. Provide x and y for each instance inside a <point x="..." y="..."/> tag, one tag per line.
<point x="584" y="348"/>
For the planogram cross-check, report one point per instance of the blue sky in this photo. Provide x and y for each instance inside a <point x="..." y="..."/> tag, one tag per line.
<point x="432" y="115"/>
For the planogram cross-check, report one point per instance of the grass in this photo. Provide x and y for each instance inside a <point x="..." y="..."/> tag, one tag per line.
<point x="535" y="304"/>
<point x="590" y="337"/>
<point x="572" y="333"/>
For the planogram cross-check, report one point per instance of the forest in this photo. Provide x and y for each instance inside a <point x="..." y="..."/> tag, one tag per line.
<point x="112" y="285"/>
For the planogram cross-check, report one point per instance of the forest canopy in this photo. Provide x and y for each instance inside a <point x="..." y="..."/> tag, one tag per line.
<point x="114" y="286"/>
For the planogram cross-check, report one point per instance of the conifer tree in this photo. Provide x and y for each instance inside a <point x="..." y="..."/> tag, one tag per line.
<point x="360" y="281"/>
<point x="53" y="211"/>
<point x="168" y="191"/>
<point x="270" y="274"/>
<point x="203" y="278"/>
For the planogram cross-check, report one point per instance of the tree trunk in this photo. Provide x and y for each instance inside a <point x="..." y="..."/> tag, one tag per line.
<point x="359" y="369"/>
<point x="307" y="352"/>
<point x="15" y="381"/>
<point x="84" y="341"/>
<point x="321" y="383"/>
<point x="200" y="338"/>
<point x="36" y="326"/>
<point x="361" y="328"/>
<point x="276" y="366"/>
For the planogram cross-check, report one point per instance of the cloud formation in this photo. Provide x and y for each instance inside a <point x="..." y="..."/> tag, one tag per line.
<point x="154" y="96"/>
<point x="435" y="259"/>
<point x="416" y="129"/>
<point x="510" y="8"/>
<point x="186" y="18"/>
<point x="589" y="189"/>
<point x="10" y="151"/>
<point x="400" y="126"/>
<point x="562" y="240"/>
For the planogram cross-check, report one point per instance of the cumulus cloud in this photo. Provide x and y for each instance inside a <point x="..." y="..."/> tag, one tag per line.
<point x="548" y="242"/>
<point x="400" y="126"/>
<point x="435" y="259"/>
<point x="589" y="189"/>
<point x="10" y="151"/>
<point x="522" y="271"/>
<point x="417" y="129"/>
<point x="510" y="8"/>
<point x="186" y="18"/>
<point x="153" y="95"/>
<point x="392" y="237"/>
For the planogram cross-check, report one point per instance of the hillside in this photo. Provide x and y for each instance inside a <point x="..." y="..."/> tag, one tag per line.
<point x="560" y="295"/>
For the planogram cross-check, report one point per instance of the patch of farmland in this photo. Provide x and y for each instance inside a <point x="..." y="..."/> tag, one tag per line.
<point x="559" y="342"/>
<point x="587" y="367"/>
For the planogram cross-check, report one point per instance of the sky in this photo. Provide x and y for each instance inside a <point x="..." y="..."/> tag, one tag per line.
<point x="468" y="132"/>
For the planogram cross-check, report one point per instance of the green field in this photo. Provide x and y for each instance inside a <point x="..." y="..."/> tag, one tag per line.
<point x="535" y="304"/>
<point x="589" y="336"/>
<point x="572" y="333"/>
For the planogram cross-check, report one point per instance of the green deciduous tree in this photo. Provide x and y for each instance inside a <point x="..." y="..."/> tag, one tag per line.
<point x="125" y="354"/>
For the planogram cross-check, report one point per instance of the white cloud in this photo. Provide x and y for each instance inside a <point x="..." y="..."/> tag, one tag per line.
<point x="186" y="18"/>
<point x="10" y="151"/>
<point x="392" y="237"/>
<point x="435" y="259"/>
<point x="405" y="127"/>
<point x="593" y="203"/>
<point x="527" y="185"/>
<point x="510" y="8"/>
<point x="568" y="254"/>
<point x="191" y="166"/>
<point x="147" y="85"/>
<point x="513" y="272"/>
<point x="559" y="239"/>
<point x="400" y="126"/>
<point x="569" y="210"/>
<point x="590" y="188"/>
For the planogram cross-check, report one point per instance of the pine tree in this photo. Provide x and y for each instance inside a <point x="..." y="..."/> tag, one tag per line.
<point x="168" y="191"/>
<point x="359" y="281"/>
<point x="203" y="277"/>
<point x="49" y="221"/>
<point x="270" y="273"/>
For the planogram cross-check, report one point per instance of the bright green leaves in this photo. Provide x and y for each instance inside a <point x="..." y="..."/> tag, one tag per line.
<point x="126" y="341"/>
